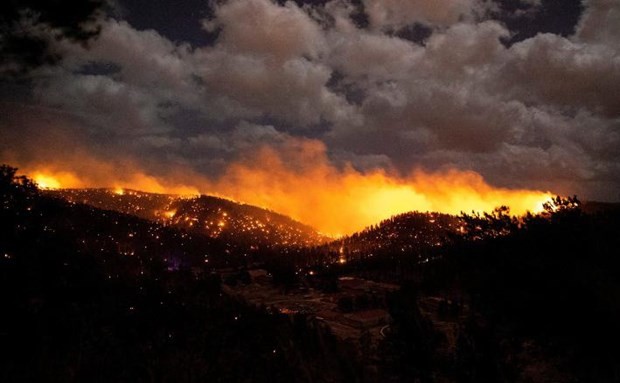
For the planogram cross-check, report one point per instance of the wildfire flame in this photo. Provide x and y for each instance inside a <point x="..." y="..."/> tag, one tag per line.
<point x="342" y="201"/>
<point x="170" y="214"/>
<point x="54" y="180"/>
<point x="308" y="187"/>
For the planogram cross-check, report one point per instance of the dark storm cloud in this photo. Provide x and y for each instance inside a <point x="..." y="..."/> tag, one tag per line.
<point x="20" y="51"/>
<point x="541" y="111"/>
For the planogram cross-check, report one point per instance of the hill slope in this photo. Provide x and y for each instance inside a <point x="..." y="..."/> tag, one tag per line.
<point x="98" y="295"/>
<point x="409" y="234"/>
<point x="246" y="225"/>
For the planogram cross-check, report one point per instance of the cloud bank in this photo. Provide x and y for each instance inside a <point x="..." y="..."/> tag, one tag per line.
<point x="542" y="113"/>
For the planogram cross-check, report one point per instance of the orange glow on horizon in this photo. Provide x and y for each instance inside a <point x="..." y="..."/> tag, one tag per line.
<point x="46" y="182"/>
<point x="343" y="201"/>
<point x="54" y="180"/>
<point x="48" y="178"/>
<point x="303" y="184"/>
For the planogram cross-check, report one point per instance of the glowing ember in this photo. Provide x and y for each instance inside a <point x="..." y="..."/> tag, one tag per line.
<point x="170" y="214"/>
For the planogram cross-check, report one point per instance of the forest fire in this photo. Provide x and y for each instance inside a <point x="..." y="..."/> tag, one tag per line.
<point x="334" y="201"/>
<point x="344" y="205"/>
<point x="46" y="182"/>
<point x="46" y="179"/>
<point x="342" y="201"/>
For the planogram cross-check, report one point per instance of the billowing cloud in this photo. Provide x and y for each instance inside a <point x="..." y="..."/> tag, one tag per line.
<point x="540" y="113"/>
<point x="264" y="28"/>
<point x="399" y="13"/>
<point x="600" y="23"/>
<point x="550" y="70"/>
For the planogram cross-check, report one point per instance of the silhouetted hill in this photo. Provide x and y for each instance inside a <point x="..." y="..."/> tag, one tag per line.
<point x="109" y="296"/>
<point x="92" y="295"/>
<point x="405" y="235"/>
<point x="530" y="300"/>
<point x="249" y="226"/>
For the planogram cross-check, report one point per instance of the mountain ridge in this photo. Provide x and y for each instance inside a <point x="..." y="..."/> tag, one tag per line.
<point x="211" y="215"/>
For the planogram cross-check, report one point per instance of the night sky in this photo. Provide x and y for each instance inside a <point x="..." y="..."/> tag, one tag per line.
<point x="525" y="93"/>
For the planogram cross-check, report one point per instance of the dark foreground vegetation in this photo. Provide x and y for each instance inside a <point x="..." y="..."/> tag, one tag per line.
<point x="92" y="295"/>
<point x="77" y="308"/>
<point x="536" y="300"/>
